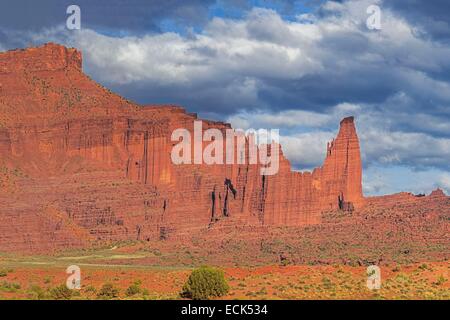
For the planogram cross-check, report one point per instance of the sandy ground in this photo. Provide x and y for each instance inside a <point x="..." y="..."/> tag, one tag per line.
<point x="35" y="280"/>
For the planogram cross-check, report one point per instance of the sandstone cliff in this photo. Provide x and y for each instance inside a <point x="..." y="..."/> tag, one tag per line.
<point x="81" y="164"/>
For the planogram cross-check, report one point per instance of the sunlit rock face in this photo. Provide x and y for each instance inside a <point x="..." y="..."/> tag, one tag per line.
<point x="81" y="165"/>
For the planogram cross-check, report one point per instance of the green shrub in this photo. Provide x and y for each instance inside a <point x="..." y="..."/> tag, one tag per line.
<point x="396" y="269"/>
<point x="423" y="266"/>
<point x="441" y="280"/>
<point x="61" y="293"/>
<point x="204" y="283"/>
<point x="134" y="289"/>
<point x="47" y="279"/>
<point x="9" y="286"/>
<point x="90" y="289"/>
<point x="108" y="292"/>
<point x="36" y="292"/>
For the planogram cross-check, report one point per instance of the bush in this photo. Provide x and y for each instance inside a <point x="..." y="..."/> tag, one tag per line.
<point x="423" y="266"/>
<point x="396" y="269"/>
<point x="9" y="286"/>
<point x="134" y="289"/>
<point x="441" y="280"/>
<point x="36" y="292"/>
<point x="90" y="289"/>
<point x="61" y="293"/>
<point x="108" y="292"/>
<point x="204" y="283"/>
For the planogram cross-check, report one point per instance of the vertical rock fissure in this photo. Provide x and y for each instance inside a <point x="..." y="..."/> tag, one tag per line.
<point x="145" y="164"/>
<point x="262" y="200"/>
<point x="213" y="204"/>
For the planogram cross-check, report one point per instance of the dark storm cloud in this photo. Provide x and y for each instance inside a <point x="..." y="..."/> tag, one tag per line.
<point x="128" y="15"/>
<point x="105" y="15"/>
<point x="264" y="62"/>
<point x="432" y="15"/>
<point x="318" y="92"/>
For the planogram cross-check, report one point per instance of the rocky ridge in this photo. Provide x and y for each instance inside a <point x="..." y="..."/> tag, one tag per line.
<point x="81" y="165"/>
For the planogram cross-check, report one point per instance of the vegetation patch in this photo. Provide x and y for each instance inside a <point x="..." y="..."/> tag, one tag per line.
<point x="205" y="283"/>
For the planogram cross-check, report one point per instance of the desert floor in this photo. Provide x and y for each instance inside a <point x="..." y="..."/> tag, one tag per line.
<point x="36" y="277"/>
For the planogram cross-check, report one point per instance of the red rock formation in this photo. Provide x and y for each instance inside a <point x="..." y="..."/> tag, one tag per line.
<point x="102" y="165"/>
<point x="438" y="193"/>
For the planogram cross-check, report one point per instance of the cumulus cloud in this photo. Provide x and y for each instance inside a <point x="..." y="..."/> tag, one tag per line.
<point x="444" y="182"/>
<point x="279" y="64"/>
<point x="307" y="150"/>
<point x="381" y="142"/>
<point x="375" y="184"/>
<point x="285" y="119"/>
<point x="301" y="75"/>
<point x="291" y="64"/>
<point x="398" y="148"/>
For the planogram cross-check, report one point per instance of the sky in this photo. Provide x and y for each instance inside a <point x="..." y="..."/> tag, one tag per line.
<point x="299" y="66"/>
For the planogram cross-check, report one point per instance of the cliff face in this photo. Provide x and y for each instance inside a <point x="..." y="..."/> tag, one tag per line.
<point x="81" y="164"/>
